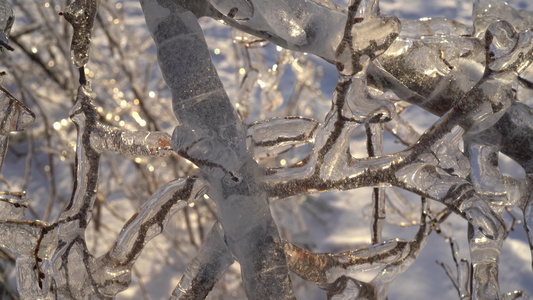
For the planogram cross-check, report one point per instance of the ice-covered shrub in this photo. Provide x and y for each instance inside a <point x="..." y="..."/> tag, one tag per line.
<point x="469" y="77"/>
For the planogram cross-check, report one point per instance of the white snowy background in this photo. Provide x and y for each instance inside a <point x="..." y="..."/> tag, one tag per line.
<point x="331" y="221"/>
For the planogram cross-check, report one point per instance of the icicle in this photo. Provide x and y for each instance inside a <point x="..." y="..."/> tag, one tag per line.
<point x="80" y="14"/>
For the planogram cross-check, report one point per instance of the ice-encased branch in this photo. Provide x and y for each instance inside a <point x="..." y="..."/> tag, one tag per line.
<point x="381" y="283"/>
<point x="318" y="30"/>
<point x="113" y="269"/>
<point x="57" y="251"/>
<point x="397" y="169"/>
<point x="479" y="109"/>
<point x="132" y="143"/>
<point x="69" y="258"/>
<point x="493" y="95"/>
<point x="207" y="267"/>
<point x="471" y="111"/>
<point x="323" y="269"/>
<point x="150" y="220"/>
<point x="212" y="136"/>
<point x="14" y="116"/>
<point x="53" y="258"/>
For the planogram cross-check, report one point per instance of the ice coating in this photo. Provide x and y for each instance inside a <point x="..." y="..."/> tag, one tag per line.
<point x="305" y="26"/>
<point x="164" y="203"/>
<point x="482" y="117"/>
<point x="13" y="205"/>
<point x="455" y="192"/>
<point x="236" y="9"/>
<point x="80" y="14"/>
<point x="292" y="132"/>
<point x="6" y="22"/>
<point x="461" y="279"/>
<point x="325" y="268"/>
<point x="374" y="147"/>
<point x="217" y="145"/>
<point x="470" y="81"/>
<point x="56" y="253"/>
<point x="14" y="116"/>
<point x="113" y="270"/>
<point x="210" y="263"/>
<point x="199" y="132"/>
<point x="134" y="143"/>
<point x="486" y="12"/>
